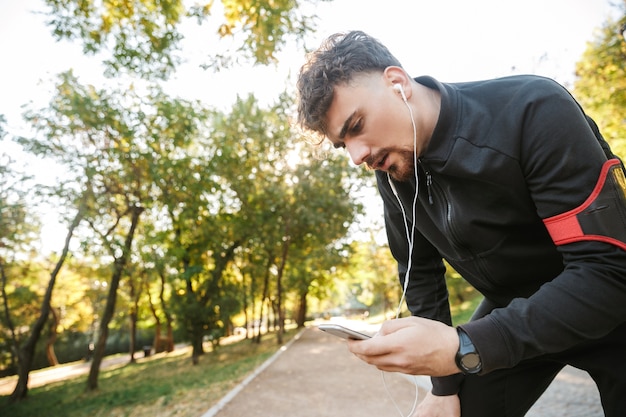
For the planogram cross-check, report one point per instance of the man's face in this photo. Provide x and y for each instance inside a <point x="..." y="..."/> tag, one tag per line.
<point x="370" y="119"/>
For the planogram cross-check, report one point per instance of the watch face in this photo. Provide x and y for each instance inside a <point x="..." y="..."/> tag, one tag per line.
<point x="470" y="361"/>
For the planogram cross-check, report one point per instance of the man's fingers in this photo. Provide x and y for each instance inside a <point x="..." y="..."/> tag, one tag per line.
<point x="375" y="346"/>
<point x="392" y="326"/>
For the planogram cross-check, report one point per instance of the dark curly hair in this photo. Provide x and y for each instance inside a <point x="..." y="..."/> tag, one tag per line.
<point x="338" y="60"/>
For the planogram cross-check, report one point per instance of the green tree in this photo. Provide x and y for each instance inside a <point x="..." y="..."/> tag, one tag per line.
<point x="188" y="227"/>
<point x="112" y="143"/>
<point x="254" y="145"/>
<point x="601" y="81"/>
<point x="144" y="36"/>
<point x="16" y="235"/>
<point x="373" y="277"/>
<point x="16" y="229"/>
<point x="92" y="134"/>
<point x="323" y="208"/>
<point x="224" y="195"/>
<point x="156" y="285"/>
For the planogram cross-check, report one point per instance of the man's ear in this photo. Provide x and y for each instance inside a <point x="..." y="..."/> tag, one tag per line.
<point x="397" y="76"/>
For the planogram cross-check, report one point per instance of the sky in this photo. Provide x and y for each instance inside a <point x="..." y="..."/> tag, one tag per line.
<point x="451" y="40"/>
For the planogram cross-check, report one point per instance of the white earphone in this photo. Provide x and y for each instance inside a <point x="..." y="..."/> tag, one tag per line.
<point x="399" y="89"/>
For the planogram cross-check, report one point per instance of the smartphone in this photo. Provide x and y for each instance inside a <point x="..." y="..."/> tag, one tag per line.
<point x="341" y="331"/>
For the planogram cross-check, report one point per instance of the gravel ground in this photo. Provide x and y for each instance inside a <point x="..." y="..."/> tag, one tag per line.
<point x="573" y="394"/>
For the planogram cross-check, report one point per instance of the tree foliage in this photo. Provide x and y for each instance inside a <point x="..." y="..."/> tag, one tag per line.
<point x="144" y="37"/>
<point x="19" y="284"/>
<point x="601" y="81"/>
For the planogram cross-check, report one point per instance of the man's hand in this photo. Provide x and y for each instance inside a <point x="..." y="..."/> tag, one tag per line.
<point x="435" y="406"/>
<point x="411" y="345"/>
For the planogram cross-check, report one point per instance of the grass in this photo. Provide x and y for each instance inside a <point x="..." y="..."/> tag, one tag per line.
<point x="164" y="386"/>
<point x="461" y="313"/>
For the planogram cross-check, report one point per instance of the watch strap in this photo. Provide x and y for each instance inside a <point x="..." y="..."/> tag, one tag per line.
<point x="467" y="358"/>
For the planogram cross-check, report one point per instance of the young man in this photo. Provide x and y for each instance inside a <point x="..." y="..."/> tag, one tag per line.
<point x="512" y="184"/>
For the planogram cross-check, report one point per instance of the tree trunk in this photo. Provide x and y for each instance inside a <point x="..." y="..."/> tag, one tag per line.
<point x="133" y="334"/>
<point x="196" y="334"/>
<point x="5" y="299"/>
<point x="250" y="321"/>
<point x="279" y="287"/>
<point x="169" y="347"/>
<point x="26" y="352"/>
<point x="200" y="300"/>
<point x="275" y="315"/>
<point x="109" y="310"/>
<point x="266" y="284"/>
<point x="157" y="342"/>
<point x="268" y="316"/>
<point x="134" y="296"/>
<point x="52" y="337"/>
<point x="196" y="344"/>
<point x="170" y="336"/>
<point x="302" y="307"/>
<point x="244" y="292"/>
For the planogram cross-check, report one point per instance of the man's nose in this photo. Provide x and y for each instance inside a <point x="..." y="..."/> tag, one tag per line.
<point x="357" y="150"/>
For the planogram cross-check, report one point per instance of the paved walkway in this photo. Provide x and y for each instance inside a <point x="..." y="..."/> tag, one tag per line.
<point x="573" y="394"/>
<point x="316" y="376"/>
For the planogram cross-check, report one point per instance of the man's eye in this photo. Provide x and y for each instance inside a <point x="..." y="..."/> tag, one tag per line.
<point x="356" y="128"/>
<point x="339" y="145"/>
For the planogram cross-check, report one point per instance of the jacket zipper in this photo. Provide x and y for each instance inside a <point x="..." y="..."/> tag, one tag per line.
<point x="447" y="210"/>
<point x="429" y="181"/>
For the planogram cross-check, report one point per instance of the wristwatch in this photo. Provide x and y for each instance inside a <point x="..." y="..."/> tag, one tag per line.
<point x="467" y="358"/>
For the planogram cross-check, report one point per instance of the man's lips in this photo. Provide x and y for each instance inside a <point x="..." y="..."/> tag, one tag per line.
<point x="382" y="162"/>
<point x="378" y="162"/>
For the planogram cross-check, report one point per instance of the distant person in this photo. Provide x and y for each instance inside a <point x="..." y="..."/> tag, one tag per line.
<point x="511" y="183"/>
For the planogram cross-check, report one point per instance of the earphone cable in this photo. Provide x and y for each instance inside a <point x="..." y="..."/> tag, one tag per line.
<point x="410" y="236"/>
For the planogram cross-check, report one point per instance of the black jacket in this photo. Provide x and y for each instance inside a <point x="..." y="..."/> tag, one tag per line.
<point x="505" y="155"/>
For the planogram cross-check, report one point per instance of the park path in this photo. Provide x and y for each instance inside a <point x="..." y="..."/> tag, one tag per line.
<point x="316" y="376"/>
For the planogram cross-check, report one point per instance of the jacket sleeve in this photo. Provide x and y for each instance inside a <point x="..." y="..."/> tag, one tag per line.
<point x="426" y="294"/>
<point x="561" y="159"/>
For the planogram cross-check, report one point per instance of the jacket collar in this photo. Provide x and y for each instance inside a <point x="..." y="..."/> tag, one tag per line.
<point x="442" y="141"/>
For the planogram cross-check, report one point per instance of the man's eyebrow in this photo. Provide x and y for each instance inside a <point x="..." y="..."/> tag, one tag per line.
<point x="346" y="125"/>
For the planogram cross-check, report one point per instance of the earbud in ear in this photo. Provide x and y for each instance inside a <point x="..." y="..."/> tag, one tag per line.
<point x="399" y="89"/>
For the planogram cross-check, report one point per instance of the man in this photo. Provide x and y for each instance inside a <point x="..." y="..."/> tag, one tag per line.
<point x="512" y="184"/>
